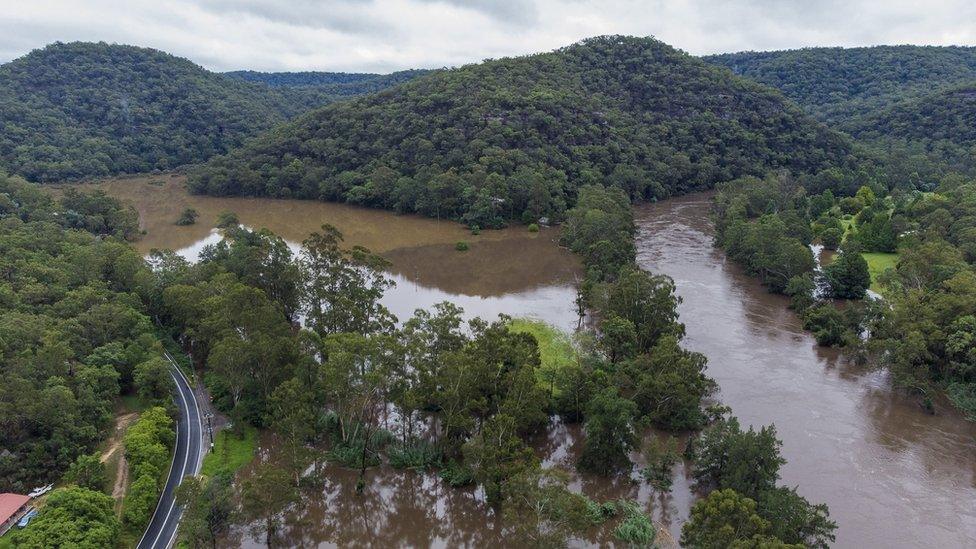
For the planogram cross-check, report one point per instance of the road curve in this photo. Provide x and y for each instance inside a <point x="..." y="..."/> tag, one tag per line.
<point x="187" y="456"/>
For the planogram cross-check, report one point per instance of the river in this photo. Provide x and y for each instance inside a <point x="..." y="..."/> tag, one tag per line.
<point x="892" y="475"/>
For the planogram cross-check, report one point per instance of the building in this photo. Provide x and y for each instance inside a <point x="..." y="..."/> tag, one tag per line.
<point x="12" y="507"/>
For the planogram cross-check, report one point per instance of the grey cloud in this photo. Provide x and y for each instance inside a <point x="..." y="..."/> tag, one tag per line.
<point x="517" y="12"/>
<point x="386" y="35"/>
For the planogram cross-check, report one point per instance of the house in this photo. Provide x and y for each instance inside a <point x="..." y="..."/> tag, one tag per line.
<point x="12" y="507"/>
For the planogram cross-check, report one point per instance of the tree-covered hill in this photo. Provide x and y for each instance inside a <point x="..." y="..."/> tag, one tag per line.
<point x="941" y="125"/>
<point x="516" y="137"/>
<point x="339" y="84"/>
<point x="92" y="109"/>
<point x="838" y="84"/>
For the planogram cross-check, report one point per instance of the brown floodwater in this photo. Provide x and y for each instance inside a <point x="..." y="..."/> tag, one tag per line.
<point x="892" y="474"/>
<point x="509" y="271"/>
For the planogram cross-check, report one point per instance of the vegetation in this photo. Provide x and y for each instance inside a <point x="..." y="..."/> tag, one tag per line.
<point x="93" y="109"/>
<point x="926" y="337"/>
<point x="72" y="517"/>
<point x="847" y="275"/>
<point x="515" y="139"/>
<point x="838" y="84"/>
<point x="328" y="86"/>
<point x="231" y="451"/>
<point x="741" y="468"/>
<point x="764" y="225"/>
<point x="87" y="472"/>
<point x="768" y="225"/>
<point x="74" y="325"/>
<point x="148" y="444"/>
<point x="188" y="217"/>
<point x="913" y="105"/>
<point x="208" y="509"/>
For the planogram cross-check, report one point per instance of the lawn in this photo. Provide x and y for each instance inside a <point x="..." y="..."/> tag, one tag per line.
<point x="555" y="348"/>
<point x="231" y="452"/>
<point x="878" y="262"/>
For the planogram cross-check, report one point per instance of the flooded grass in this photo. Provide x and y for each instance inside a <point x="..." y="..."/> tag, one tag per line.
<point x="231" y="451"/>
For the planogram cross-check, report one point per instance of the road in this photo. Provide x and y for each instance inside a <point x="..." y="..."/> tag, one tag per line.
<point x="187" y="456"/>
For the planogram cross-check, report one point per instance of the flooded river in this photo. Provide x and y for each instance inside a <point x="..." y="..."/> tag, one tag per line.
<point x="510" y="271"/>
<point x="892" y="475"/>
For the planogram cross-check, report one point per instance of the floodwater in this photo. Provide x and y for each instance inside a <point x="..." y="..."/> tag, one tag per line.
<point x="510" y="271"/>
<point x="892" y="474"/>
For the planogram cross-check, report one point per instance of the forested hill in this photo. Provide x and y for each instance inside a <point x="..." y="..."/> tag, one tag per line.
<point x="339" y="84"/>
<point x="516" y="137"/>
<point x="942" y="122"/>
<point x="90" y="109"/>
<point x="837" y="84"/>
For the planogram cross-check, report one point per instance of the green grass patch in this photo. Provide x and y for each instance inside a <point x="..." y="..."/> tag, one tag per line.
<point x="231" y="452"/>
<point x="555" y="348"/>
<point x="878" y="263"/>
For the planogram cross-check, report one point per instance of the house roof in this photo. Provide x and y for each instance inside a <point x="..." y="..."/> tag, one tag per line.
<point x="10" y="504"/>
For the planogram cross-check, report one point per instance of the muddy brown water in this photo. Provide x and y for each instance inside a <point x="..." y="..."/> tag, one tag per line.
<point x="892" y="475"/>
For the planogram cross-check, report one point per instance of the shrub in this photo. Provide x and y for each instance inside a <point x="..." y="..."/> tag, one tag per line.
<point x="636" y="530"/>
<point x="461" y="246"/>
<point x="140" y="502"/>
<point x="188" y="217"/>
<point x="413" y="454"/>
<point x="227" y="219"/>
<point x="88" y="472"/>
<point x="457" y="474"/>
<point x="831" y="238"/>
<point x="533" y="227"/>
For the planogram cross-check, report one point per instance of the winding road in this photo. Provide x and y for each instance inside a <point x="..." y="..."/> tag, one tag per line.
<point x="187" y="457"/>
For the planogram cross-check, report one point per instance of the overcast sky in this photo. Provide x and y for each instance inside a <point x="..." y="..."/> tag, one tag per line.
<point x="387" y="35"/>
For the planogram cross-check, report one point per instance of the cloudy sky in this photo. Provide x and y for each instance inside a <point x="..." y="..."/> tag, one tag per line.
<point x="387" y="35"/>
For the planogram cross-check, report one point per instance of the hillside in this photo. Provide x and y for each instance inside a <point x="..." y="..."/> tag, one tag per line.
<point x="941" y="125"/>
<point x="515" y="137"/>
<point x="91" y="109"/>
<point x="838" y="84"/>
<point x="339" y="84"/>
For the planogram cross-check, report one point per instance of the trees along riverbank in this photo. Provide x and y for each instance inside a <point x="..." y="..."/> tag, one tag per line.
<point x="357" y="388"/>
<point x="922" y="244"/>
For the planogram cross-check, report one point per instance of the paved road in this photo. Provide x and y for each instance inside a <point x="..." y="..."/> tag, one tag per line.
<point x="187" y="457"/>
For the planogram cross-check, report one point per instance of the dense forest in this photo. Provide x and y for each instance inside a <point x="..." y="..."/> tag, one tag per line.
<point x="335" y="84"/>
<point x="940" y="125"/>
<point x="838" y="85"/>
<point x="74" y="331"/>
<point x="913" y="106"/>
<point x="92" y="109"/>
<point x="516" y="138"/>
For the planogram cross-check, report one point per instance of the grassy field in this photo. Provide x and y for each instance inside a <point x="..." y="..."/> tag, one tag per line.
<point x="555" y="348"/>
<point x="231" y="452"/>
<point x="877" y="263"/>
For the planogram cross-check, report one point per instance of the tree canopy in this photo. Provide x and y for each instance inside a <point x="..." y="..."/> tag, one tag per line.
<point x="516" y="138"/>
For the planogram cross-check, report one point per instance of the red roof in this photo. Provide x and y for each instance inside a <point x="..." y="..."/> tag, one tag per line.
<point x="10" y="504"/>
